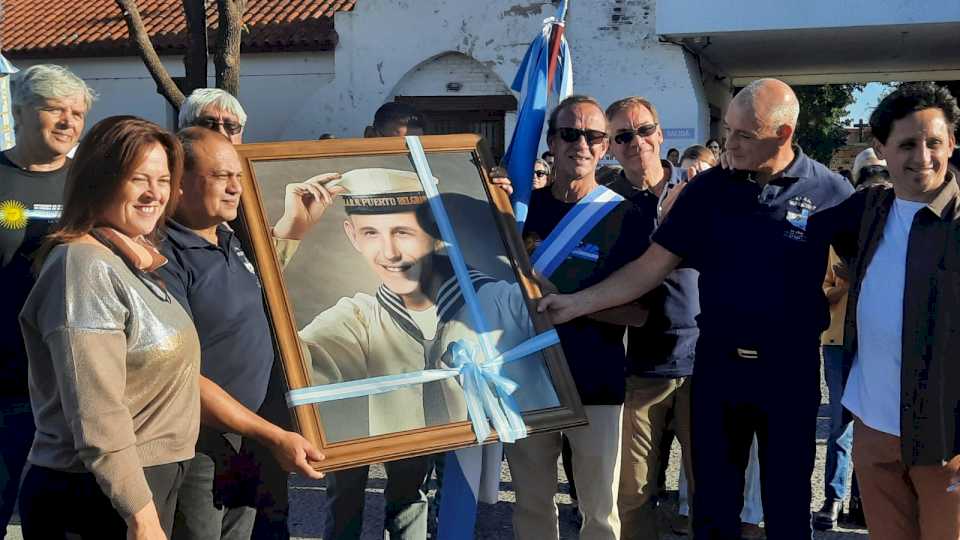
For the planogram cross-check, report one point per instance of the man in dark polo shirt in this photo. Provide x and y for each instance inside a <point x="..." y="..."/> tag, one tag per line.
<point x="50" y="106"/>
<point x="659" y="353"/>
<point x="757" y="369"/>
<point x="593" y="347"/>
<point x="208" y="272"/>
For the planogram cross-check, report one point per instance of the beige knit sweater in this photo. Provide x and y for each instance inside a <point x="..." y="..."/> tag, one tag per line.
<point x="113" y="374"/>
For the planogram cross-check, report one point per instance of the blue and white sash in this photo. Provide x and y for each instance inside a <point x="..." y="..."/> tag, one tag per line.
<point x="575" y="225"/>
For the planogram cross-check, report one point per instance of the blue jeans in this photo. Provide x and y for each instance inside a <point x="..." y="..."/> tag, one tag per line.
<point x="840" y="441"/>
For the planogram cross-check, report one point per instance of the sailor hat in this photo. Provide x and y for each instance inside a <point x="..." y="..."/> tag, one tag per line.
<point x="381" y="191"/>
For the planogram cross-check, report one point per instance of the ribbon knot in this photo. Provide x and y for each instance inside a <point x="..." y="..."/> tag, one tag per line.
<point x="488" y="395"/>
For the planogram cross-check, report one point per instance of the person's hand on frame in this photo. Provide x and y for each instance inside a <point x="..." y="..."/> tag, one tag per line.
<point x="295" y="454"/>
<point x="560" y="307"/>
<point x="499" y="178"/>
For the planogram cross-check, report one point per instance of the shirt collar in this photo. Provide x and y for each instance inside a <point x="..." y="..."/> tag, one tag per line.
<point x="800" y="167"/>
<point x="186" y="238"/>
<point x="947" y="195"/>
<point x="674" y="174"/>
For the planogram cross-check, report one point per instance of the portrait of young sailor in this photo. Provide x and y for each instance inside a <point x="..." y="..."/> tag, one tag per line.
<point x="412" y="319"/>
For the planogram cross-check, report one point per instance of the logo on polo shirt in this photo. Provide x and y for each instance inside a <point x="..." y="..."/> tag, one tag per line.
<point x="14" y="215"/>
<point x="799" y="210"/>
<point x="246" y="262"/>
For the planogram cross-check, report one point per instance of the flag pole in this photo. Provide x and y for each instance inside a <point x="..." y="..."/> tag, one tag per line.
<point x="555" y="34"/>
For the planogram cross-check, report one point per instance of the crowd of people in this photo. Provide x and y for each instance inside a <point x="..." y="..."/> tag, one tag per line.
<point x="142" y="386"/>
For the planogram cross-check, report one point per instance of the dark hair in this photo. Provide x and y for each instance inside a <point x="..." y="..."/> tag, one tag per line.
<point x="189" y="137"/>
<point x="711" y="140"/>
<point x="908" y="99"/>
<point x="105" y="159"/>
<point x="546" y="154"/>
<point x="673" y="150"/>
<point x="398" y="113"/>
<point x="566" y="104"/>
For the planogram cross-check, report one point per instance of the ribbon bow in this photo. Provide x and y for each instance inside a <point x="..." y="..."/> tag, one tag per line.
<point x="487" y="393"/>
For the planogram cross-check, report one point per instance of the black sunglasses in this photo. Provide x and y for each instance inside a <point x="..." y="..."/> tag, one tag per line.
<point x="540" y="173"/>
<point x="645" y="130"/>
<point x="569" y="134"/>
<point x="212" y="123"/>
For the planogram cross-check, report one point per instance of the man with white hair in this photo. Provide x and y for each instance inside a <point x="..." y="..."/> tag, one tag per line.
<point x="214" y="109"/>
<point x="50" y="106"/>
<point x="762" y="311"/>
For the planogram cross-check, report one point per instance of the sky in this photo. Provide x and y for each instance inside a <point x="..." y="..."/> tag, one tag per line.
<point x="865" y="102"/>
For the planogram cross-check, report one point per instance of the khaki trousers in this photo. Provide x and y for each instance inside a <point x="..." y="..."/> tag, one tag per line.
<point x="596" y="470"/>
<point x="650" y="406"/>
<point x="902" y="502"/>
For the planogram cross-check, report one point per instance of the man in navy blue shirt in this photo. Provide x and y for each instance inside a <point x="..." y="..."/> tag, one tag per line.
<point x="211" y="276"/>
<point x="757" y="369"/>
<point x="660" y="352"/>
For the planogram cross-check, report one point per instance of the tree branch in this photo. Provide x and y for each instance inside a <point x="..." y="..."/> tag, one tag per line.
<point x="226" y="58"/>
<point x="195" y="59"/>
<point x="141" y="39"/>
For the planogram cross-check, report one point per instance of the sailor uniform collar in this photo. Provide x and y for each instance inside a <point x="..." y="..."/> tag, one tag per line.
<point x="448" y="299"/>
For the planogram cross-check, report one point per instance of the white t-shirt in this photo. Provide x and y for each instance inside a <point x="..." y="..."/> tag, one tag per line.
<point x="873" y="389"/>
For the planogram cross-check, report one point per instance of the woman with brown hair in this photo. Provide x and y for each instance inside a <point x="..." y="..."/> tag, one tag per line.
<point x="113" y="359"/>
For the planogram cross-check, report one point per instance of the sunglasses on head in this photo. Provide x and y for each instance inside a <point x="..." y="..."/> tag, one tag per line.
<point x="212" y="123"/>
<point x="643" y="131"/>
<point x="538" y="174"/>
<point x="570" y="135"/>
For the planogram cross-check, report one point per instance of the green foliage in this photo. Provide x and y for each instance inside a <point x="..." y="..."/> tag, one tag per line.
<point x="820" y="128"/>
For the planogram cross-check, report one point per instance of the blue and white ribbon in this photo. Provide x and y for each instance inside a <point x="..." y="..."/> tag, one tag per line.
<point x="574" y="226"/>
<point x="476" y="378"/>
<point x="503" y="413"/>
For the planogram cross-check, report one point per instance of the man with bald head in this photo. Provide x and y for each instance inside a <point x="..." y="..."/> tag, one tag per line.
<point x="762" y="311"/>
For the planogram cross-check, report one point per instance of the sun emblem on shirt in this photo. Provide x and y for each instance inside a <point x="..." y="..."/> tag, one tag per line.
<point x="13" y="215"/>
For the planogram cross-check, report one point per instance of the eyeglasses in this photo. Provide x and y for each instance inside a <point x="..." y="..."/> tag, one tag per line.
<point x="538" y="174"/>
<point x="645" y="130"/>
<point x="212" y="123"/>
<point x="571" y="135"/>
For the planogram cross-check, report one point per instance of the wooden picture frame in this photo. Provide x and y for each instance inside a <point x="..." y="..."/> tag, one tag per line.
<point x="268" y="167"/>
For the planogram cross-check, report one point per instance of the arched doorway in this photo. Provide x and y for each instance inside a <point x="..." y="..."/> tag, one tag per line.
<point x="457" y="94"/>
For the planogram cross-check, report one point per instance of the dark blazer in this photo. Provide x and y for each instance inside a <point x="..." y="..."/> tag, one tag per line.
<point x="930" y="369"/>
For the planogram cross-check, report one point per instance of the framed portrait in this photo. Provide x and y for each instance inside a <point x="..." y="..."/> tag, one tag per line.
<point x="385" y="354"/>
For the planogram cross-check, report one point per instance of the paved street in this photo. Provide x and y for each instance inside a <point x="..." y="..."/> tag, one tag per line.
<point x="493" y="522"/>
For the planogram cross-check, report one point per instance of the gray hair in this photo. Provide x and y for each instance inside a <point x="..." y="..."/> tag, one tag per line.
<point x="48" y="81"/>
<point x="540" y="161"/>
<point x="781" y="113"/>
<point x="201" y="98"/>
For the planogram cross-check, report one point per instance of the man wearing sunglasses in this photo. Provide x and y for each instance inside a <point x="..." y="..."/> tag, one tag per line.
<point x="659" y="353"/>
<point x="215" y="109"/>
<point x="593" y="347"/>
<point x="762" y="311"/>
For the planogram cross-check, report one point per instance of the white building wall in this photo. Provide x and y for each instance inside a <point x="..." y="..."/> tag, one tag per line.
<point x="291" y="96"/>
<point x="273" y="90"/>
<point x="615" y="50"/>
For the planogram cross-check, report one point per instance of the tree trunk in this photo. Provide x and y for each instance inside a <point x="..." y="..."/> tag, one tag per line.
<point x="141" y="40"/>
<point x="195" y="59"/>
<point x="226" y="58"/>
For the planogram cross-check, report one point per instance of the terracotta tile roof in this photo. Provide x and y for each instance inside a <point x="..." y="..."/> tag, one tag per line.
<point x="58" y="28"/>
